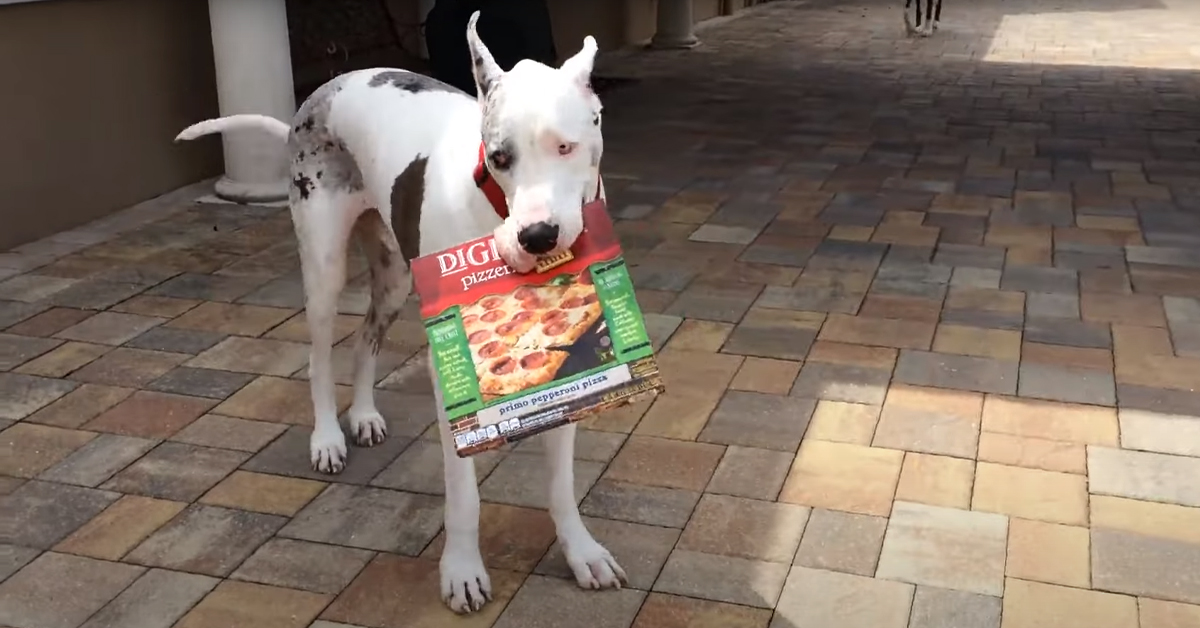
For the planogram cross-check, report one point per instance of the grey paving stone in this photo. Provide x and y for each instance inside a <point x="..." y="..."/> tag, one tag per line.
<point x="1073" y="385"/>
<point x="368" y="518"/>
<point x="1134" y="564"/>
<point x="946" y="608"/>
<point x="302" y="565"/>
<point x="206" y="540"/>
<point x="40" y="514"/>
<point x="1052" y="305"/>
<point x="1073" y="333"/>
<point x="1039" y="279"/>
<point x="61" y="591"/>
<point x="651" y="505"/>
<point x="199" y="382"/>
<point x="752" y="419"/>
<point x="1144" y="475"/>
<point x="155" y="600"/>
<point x="940" y="370"/>
<point x="13" y="558"/>
<point x="98" y="460"/>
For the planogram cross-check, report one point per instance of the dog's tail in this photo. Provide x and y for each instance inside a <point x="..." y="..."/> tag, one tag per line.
<point x="235" y="123"/>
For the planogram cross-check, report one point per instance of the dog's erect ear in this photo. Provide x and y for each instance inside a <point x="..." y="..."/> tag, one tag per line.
<point x="580" y="65"/>
<point x="487" y="72"/>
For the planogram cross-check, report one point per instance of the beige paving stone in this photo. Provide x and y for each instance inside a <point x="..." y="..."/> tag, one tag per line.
<point x="1034" y="453"/>
<point x="930" y="420"/>
<point x="722" y="579"/>
<point x="543" y="602"/>
<point x="945" y="547"/>
<point x="253" y="355"/>
<point x="845" y="477"/>
<point x="843" y="422"/>
<point x="826" y="599"/>
<point x="1160" y="614"/>
<point x="124" y="524"/>
<point x="1145" y="476"/>
<point x="1002" y="344"/>
<point x="842" y="541"/>
<point x="1030" y="493"/>
<point x="936" y="480"/>
<point x="750" y="472"/>
<point x="745" y="528"/>
<point x="766" y="375"/>
<point x="673" y="611"/>
<point x="1167" y="521"/>
<point x="695" y="382"/>
<point x="1038" y="605"/>
<point x="1073" y="423"/>
<point x="700" y="335"/>
<point x="1163" y="433"/>
<point x="259" y="492"/>
<point x="1048" y="552"/>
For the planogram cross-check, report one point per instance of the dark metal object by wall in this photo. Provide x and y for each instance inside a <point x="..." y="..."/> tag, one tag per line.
<point x="511" y="29"/>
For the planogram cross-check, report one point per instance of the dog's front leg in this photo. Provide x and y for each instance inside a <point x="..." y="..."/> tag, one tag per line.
<point x="593" y="566"/>
<point x="465" y="582"/>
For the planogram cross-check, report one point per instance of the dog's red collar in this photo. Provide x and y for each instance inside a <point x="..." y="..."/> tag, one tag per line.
<point x="487" y="184"/>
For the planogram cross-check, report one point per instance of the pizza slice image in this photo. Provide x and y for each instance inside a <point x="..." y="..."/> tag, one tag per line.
<point x="523" y="339"/>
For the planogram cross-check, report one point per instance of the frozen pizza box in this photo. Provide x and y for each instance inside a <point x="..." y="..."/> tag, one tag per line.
<point x="518" y="354"/>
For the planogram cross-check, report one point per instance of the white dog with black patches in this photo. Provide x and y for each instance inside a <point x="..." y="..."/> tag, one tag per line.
<point x="391" y="157"/>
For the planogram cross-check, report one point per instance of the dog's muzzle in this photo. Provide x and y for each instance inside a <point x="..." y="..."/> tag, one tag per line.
<point x="539" y="238"/>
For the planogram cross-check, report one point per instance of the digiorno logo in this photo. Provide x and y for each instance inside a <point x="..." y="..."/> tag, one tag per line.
<point x="467" y="262"/>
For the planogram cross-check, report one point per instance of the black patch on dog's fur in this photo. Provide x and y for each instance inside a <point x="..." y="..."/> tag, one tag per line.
<point x="411" y="82"/>
<point x="408" y="194"/>
<point x="303" y="185"/>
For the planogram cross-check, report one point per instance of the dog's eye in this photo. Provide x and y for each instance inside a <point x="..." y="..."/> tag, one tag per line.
<point x="566" y="148"/>
<point x="501" y="160"/>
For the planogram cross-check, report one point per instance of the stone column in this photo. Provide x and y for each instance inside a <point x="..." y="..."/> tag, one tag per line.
<point x="254" y="75"/>
<point x="674" y="27"/>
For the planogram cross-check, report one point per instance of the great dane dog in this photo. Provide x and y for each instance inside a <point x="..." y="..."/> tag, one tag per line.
<point x="396" y="159"/>
<point x="924" y="25"/>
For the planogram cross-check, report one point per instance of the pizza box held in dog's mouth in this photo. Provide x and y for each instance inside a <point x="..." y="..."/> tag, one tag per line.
<point x="519" y="354"/>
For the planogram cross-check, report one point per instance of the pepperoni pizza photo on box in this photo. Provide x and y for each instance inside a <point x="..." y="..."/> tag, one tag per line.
<point x="518" y="354"/>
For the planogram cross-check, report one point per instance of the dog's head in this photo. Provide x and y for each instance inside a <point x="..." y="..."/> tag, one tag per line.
<point x="541" y="134"/>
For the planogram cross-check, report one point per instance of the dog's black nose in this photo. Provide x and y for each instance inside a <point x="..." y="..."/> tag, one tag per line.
<point x="538" y="238"/>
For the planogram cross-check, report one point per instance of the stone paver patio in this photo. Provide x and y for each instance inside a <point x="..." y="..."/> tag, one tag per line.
<point x="929" y="313"/>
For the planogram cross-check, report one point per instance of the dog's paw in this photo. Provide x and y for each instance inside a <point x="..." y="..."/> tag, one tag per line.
<point x="465" y="583"/>
<point x="594" y="567"/>
<point x="368" y="428"/>
<point x="328" y="448"/>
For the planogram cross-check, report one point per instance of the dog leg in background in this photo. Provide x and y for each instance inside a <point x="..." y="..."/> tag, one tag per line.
<point x="937" y="17"/>
<point x="465" y="582"/>
<point x="390" y="285"/>
<point x="323" y="263"/>
<point x="593" y="566"/>
<point x="908" y="23"/>
<point x="928" y="30"/>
